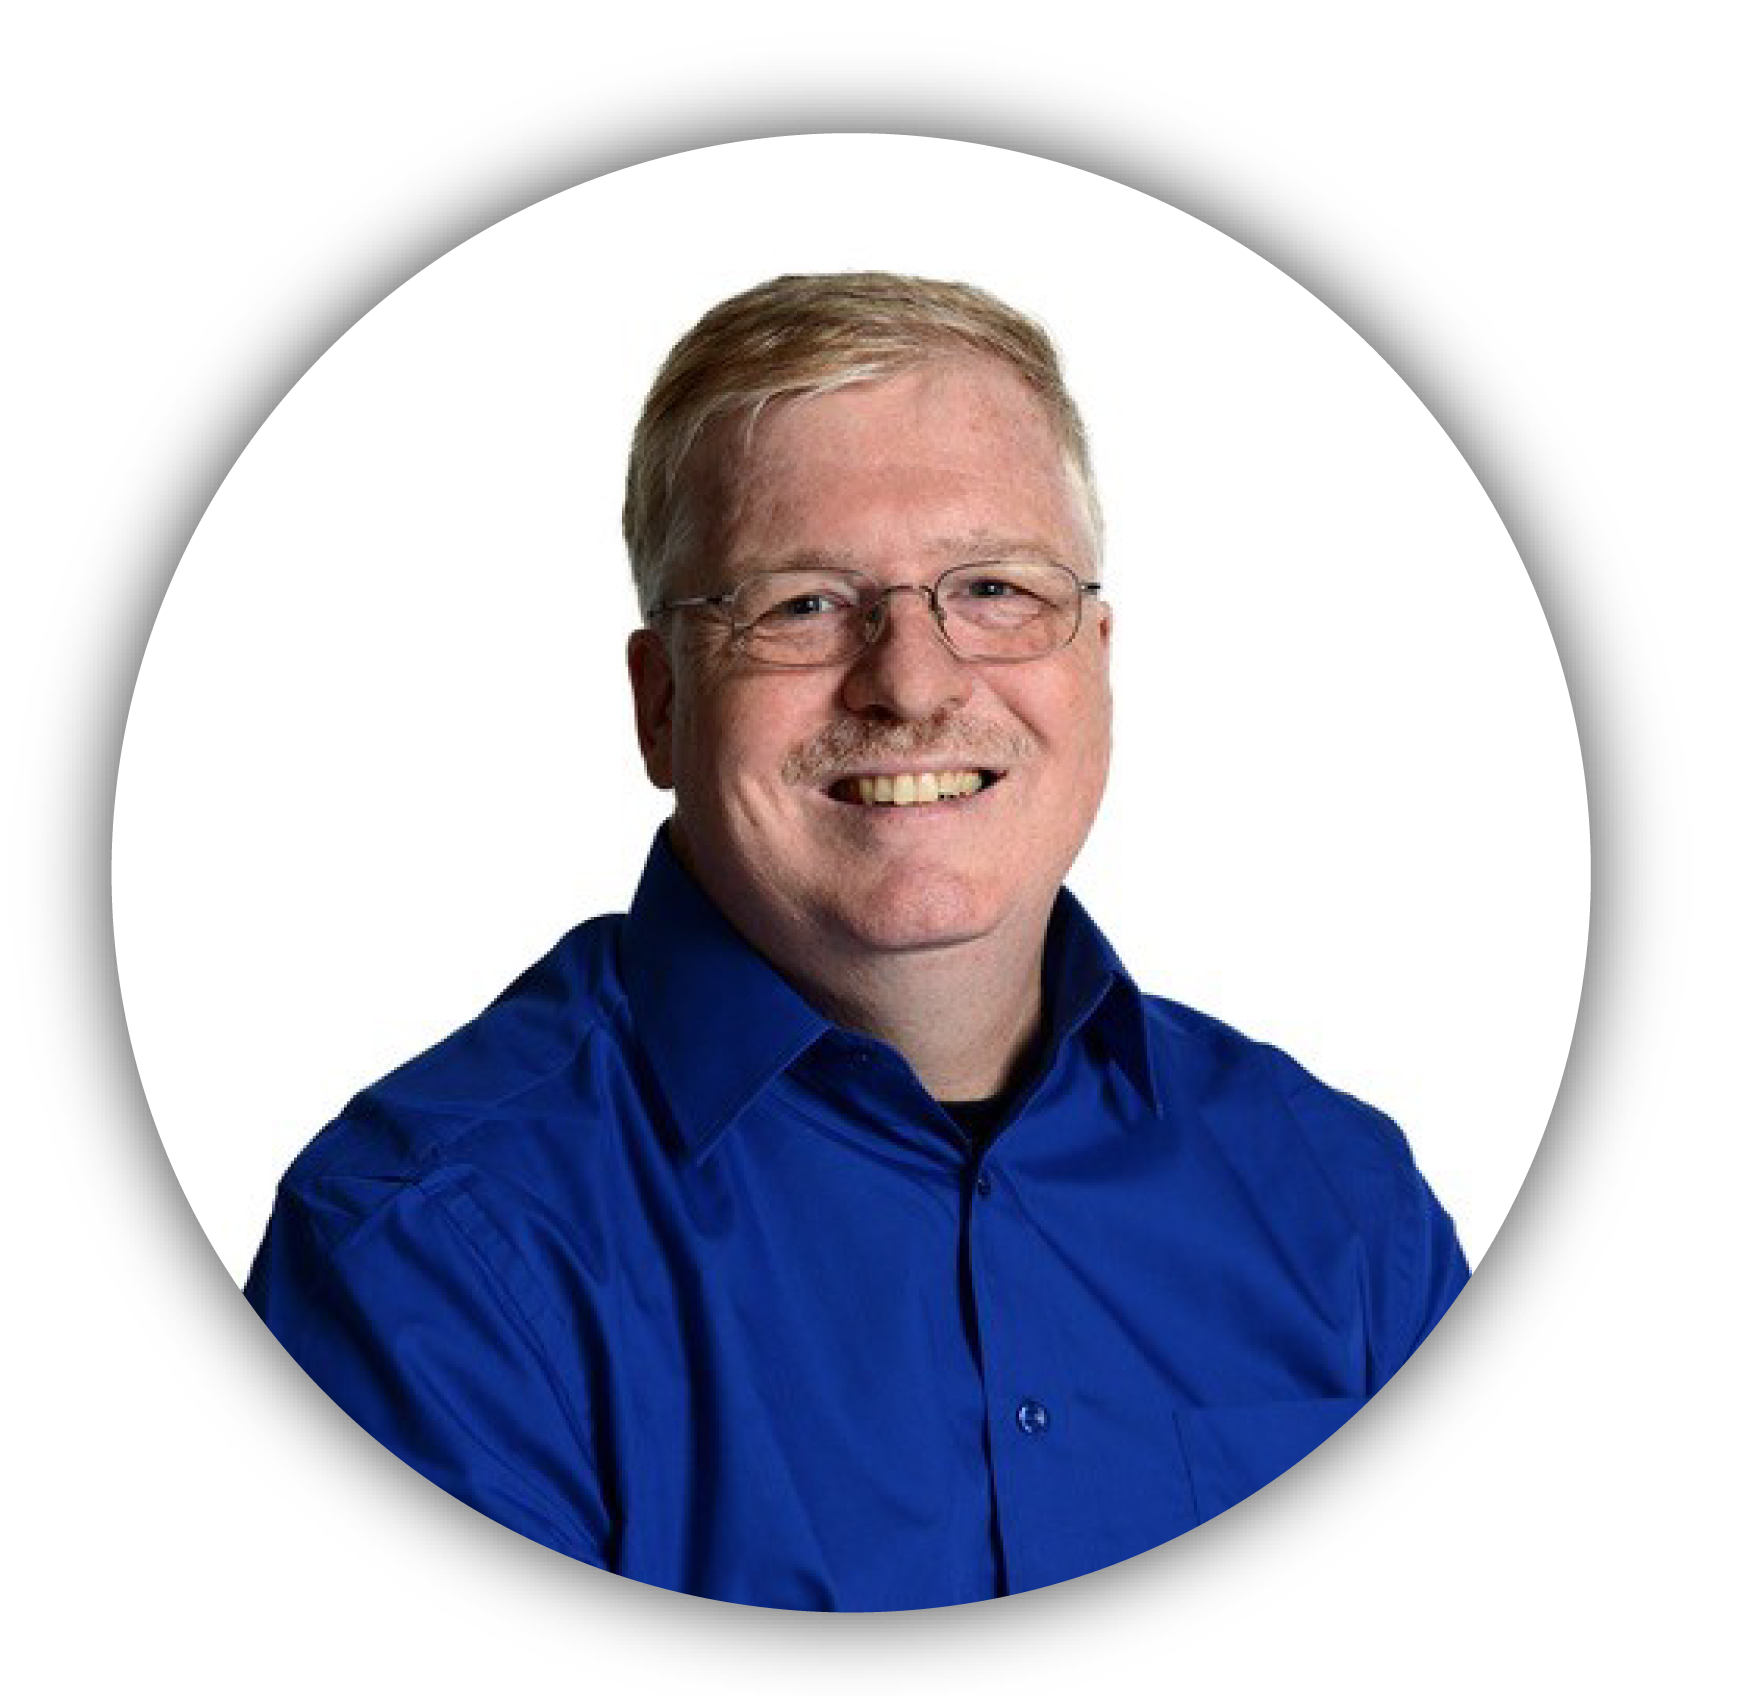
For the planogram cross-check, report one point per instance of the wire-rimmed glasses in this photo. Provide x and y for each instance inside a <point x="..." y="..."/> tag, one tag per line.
<point x="994" y="610"/>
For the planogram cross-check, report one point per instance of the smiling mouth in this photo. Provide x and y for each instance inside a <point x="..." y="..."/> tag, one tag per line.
<point x="912" y="789"/>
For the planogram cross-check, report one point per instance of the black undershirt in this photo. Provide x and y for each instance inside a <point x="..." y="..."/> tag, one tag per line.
<point x="980" y="1120"/>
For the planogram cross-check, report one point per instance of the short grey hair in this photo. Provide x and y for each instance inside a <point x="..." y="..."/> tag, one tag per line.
<point x="805" y="335"/>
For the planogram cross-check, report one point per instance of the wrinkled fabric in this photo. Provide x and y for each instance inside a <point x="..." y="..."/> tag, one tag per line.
<point x="655" y="1265"/>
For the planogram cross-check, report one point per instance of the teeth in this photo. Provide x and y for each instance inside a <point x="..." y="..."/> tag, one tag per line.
<point x="908" y="790"/>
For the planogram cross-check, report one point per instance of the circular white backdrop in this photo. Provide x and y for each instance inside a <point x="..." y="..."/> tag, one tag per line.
<point x="380" y="754"/>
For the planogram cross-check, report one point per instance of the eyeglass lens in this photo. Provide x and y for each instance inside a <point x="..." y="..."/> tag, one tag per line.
<point x="991" y="610"/>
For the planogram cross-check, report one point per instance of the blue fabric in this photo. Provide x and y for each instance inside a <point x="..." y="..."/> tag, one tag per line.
<point x="655" y="1265"/>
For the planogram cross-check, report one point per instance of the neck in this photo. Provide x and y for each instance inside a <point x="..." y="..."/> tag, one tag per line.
<point x="964" y="1015"/>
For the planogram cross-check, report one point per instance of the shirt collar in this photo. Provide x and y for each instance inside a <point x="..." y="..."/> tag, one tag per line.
<point x="718" y="1022"/>
<point x="1087" y="986"/>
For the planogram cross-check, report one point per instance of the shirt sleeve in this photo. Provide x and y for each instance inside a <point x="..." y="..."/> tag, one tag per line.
<point x="1437" y="1271"/>
<point x="406" y="1305"/>
<point x="1415" y="1264"/>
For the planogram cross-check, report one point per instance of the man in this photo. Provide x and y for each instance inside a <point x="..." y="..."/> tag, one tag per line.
<point x="841" y="1228"/>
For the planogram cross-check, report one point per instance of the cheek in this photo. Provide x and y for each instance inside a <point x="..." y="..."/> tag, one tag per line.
<point x="733" y="742"/>
<point x="1071" y="720"/>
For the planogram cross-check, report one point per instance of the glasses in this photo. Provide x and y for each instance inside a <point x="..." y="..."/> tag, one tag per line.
<point x="813" y="616"/>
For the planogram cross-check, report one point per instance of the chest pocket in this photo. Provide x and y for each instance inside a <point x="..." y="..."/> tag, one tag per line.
<point x="1231" y="1452"/>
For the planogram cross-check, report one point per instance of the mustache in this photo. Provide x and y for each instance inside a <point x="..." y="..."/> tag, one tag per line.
<point x="956" y="739"/>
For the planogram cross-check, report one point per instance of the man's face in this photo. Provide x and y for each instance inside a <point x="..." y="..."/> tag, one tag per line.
<point x="950" y="462"/>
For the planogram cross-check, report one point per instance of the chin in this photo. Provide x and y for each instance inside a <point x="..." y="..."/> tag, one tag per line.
<point x="913" y="912"/>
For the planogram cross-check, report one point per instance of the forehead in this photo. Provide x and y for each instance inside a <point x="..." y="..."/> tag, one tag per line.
<point x="952" y="458"/>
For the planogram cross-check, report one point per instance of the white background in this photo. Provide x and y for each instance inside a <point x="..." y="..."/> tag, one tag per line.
<point x="380" y="753"/>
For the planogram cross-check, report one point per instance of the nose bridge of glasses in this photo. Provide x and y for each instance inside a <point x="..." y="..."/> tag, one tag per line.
<point x="878" y="609"/>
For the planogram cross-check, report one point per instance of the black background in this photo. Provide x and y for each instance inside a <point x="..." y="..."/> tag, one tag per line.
<point x="223" y="278"/>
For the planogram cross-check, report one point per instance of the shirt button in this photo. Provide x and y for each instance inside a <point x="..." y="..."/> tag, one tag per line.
<point x="983" y="1185"/>
<point x="1032" y="1417"/>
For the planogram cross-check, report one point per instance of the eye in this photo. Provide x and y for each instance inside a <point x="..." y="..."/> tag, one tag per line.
<point x="798" y="607"/>
<point x="993" y="589"/>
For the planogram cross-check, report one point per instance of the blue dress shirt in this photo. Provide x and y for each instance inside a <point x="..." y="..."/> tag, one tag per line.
<point x="657" y="1266"/>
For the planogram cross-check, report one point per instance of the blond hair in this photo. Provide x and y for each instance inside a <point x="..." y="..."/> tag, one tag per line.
<point x="803" y="335"/>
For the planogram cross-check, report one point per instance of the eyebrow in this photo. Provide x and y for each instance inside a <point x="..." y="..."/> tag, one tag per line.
<point x="992" y="544"/>
<point x="968" y="548"/>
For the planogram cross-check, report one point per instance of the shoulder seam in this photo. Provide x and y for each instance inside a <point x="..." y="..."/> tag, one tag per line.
<point x="1384" y="1134"/>
<point x="413" y="1170"/>
<point x="477" y="1119"/>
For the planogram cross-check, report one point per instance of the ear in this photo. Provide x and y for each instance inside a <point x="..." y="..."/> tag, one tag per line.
<point x="1104" y="623"/>
<point x="654" y="686"/>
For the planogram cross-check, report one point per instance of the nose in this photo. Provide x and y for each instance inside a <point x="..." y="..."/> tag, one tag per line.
<point x="908" y="671"/>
